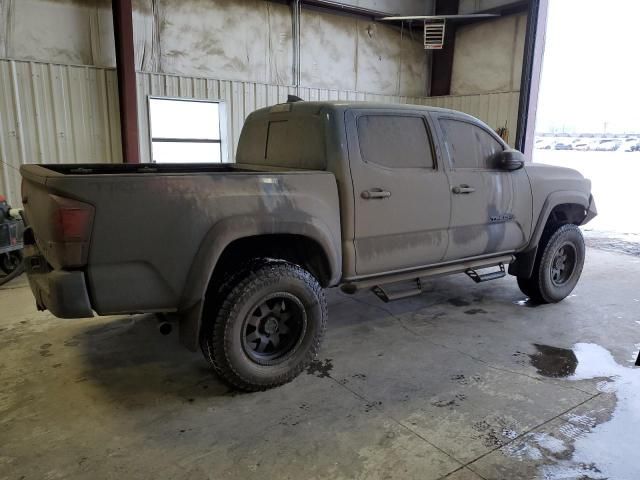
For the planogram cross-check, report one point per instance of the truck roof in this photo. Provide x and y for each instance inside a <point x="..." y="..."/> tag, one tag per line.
<point x="341" y="105"/>
<point x="268" y="138"/>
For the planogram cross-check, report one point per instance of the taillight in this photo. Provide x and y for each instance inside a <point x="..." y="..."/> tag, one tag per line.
<point x="71" y="223"/>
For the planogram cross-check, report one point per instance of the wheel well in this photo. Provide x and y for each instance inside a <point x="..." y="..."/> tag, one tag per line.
<point x="566" y="213"/>
<point x="297" y="249"/>
<point x="563" y="214"/>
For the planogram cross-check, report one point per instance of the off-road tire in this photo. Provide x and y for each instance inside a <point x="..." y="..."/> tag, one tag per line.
<point x="224" y="324"/>
<point x="528" y="287"/>
<point x="543" y="286"/>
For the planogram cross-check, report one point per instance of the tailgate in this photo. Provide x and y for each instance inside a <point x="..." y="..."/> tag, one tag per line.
<point x="58" y="225"/>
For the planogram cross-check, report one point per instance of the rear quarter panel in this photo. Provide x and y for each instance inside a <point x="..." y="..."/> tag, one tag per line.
<point x="156" y="238"/>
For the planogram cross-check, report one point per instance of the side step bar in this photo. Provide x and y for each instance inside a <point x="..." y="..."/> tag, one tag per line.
<point x="470" y="268"/>
<point x="355" y="284"/>
<point x="485" y="277"/>
<point x="387" y="297"/>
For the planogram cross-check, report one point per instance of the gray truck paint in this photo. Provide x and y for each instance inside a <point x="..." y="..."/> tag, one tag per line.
<point x="158" y="233"/>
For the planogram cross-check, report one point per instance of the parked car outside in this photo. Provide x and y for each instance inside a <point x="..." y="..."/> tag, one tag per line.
<point x="629" y="144"/>
<point x="607" y="145"/>
<point x="582" y="145"/>
<point x="563" y="144"/>
<point x="545" y="143"/>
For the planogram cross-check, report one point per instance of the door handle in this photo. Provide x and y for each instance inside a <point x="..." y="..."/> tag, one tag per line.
<point x="463" y="189"/>
<point x="375" y="193"/>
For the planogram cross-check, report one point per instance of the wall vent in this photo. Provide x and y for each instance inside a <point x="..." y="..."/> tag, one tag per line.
<point x="434" y="35"/>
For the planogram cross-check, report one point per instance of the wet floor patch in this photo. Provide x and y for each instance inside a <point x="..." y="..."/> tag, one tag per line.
<point x="611" y="244"/>
<point x="475" y="311"/>
<point x="527" y="302"/>
<point x="596" y="443"/>
<point x="554" y="362"/>
<point x="458" y="302"/>
<point x="320" y="368"/>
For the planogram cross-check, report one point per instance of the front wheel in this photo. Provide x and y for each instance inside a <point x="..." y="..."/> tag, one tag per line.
<point x="268" y="326"/>
<point x="558" y="266"/>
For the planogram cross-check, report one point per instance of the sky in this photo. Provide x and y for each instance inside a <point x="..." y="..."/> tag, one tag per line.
<point x="591" y="71"/>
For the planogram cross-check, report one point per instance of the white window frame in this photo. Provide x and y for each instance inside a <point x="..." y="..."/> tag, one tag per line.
<point x="222" y="117"/>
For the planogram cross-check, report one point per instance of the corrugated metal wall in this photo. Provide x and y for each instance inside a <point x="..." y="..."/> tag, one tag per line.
<point x="69" y="114"/>
<point x="495" y="109"/>
<point x="55" y="114"/>
<point x="241" y="98"/>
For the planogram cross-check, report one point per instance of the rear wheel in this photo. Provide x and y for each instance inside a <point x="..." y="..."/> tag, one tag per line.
<point x="558" y="266"/>
<point x="267" y="325"/>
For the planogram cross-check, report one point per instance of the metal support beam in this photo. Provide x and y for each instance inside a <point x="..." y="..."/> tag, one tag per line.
<point x="442" y="60"/>
<point x="531" y="72"/>
<point x="125" y="62"/>
<point x="295" y="17"/>
<point x="339" y="7"/>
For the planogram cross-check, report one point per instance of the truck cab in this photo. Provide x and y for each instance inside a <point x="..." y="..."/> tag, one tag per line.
<point x="418" y="185"/>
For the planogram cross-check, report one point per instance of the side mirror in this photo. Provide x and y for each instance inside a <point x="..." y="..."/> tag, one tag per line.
<point x="509" y="160"/>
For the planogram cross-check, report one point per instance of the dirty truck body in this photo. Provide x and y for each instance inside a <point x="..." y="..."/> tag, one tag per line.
<point x="323" y="194"/>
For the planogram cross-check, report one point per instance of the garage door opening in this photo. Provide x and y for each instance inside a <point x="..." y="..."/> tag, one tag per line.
<point x="185" y="131"/>
<point x="588" y="117"/>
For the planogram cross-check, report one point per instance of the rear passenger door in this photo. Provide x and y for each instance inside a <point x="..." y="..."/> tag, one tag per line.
<point x="490" y="208"/>
<point x="401" y="194"/>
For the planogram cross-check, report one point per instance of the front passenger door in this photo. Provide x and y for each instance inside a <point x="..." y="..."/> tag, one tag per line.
<point x="490" y="208"/>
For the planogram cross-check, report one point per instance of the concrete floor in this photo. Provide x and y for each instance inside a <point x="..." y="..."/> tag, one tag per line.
<point x="438" y="386"/>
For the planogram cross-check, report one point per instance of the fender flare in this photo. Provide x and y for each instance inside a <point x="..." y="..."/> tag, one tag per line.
<point x="552" y="201"/>
<point x="230" y="229"/>
<point x="525" y="260"/>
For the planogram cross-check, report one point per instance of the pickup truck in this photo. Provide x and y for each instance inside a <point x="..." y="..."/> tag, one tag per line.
<point x="323" y="194"/>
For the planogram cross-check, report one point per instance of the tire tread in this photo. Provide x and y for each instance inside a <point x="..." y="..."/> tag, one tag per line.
<point x="534" y="287"/>
<point x="216" y="341"/>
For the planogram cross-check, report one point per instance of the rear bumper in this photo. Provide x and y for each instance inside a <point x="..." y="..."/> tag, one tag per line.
<point x="62" y="293"/>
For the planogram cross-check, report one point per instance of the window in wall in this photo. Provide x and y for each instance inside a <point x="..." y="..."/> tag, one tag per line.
<point x="395" y="141"/>
<point x="468" y="145"/>
<point x="185" y="131"/>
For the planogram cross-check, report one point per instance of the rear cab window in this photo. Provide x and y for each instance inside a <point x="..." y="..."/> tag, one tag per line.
<point x="469" y="145"/>
<point x="287" y="140"/>
<point x="395" y="141"/>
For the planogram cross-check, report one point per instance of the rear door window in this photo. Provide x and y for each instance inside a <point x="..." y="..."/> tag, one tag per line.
<point x="395" y="141"/>
<point x="468" y="145"/>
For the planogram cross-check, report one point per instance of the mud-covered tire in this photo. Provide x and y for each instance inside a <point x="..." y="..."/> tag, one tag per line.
<point x="528" y="286"/>
<point x="252" y="309"/>
<point x="558" y="266"/>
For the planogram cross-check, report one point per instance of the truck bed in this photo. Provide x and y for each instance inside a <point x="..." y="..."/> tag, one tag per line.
<point x="156" y="229"/>
<point x="147" y="168"/>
